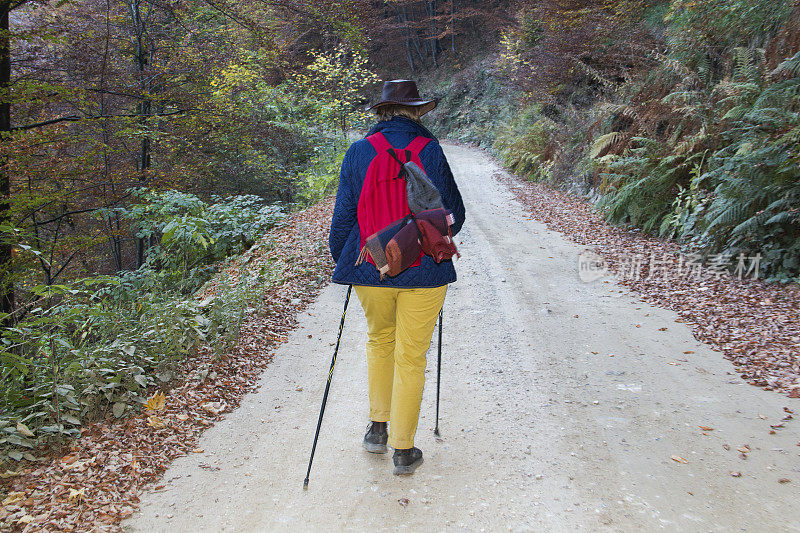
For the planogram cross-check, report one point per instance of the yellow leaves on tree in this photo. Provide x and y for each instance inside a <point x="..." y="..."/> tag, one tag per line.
<point x="333" y="83"/>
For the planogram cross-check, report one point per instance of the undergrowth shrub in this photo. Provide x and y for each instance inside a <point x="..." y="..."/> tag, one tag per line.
<point x="321" y="177"/>
<point x="93" y="347"/>
<point x="473" y="104"/>
<point x="528" y="145"/>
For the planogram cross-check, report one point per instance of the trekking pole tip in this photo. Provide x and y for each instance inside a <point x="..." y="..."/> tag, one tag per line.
<point x="305" y="484"/>
<point x="436" y="432"/>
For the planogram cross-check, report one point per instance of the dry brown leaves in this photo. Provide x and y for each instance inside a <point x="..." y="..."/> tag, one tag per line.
<point x="754" y="324"/>
<point x="94" y="483"/>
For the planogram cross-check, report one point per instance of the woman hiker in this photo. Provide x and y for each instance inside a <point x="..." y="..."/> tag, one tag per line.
<point x="401" y="310"/>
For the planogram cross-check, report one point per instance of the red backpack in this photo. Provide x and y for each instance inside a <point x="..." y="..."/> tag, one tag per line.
<point x="383" y="196"/>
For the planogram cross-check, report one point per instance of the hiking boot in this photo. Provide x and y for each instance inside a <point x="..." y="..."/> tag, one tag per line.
<point x="376" y="437"/>
<point x="406" y="461"/>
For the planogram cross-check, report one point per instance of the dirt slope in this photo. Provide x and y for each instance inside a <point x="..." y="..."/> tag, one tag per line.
<point x="558" y="413"/>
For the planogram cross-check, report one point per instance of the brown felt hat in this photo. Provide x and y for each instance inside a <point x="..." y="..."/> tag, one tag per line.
<point x="403" y="92"/>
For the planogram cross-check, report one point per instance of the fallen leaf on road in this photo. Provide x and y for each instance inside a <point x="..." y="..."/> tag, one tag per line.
<point x="106" y="518"/>
<point x="727" y="447"/>
<point x="76" y="495"/>
<point x="743" y="449"/>
<point x="679" y="459"/>
<point x="762" y="417"/>
<point x="9" y="473"/>
<point x="155" y="422"/>
<point x="784" y="480"/>
<point x="198" y="450"/>
<point x="706" y="428"/>
<point x="13" y="497"/>
<point x="735" y="474"/>
<point x="214" y="408"/>
<point x="404" y="501"/>
<point x="688" y="351"/>
<point x="156" y="402"/>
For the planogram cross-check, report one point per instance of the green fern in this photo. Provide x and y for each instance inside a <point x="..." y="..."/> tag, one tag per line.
<point x="789" y="67"/>
<point x="602" y="143"/>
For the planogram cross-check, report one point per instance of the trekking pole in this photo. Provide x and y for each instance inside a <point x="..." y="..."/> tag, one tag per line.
<point x="438" y="374"/>
<point x="327" y="387"/>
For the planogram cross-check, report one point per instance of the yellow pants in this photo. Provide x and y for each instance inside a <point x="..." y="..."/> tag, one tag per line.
<point x="400" y="324"/>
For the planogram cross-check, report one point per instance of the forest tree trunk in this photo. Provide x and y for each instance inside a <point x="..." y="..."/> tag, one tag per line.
<point x="144" y="109"/>
<point x="401" y="14"/>
<point x="6" y="245"/>
<point x="453" y="26"/>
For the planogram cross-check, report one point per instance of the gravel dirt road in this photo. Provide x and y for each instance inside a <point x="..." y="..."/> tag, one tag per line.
<point x="565" y="406"/>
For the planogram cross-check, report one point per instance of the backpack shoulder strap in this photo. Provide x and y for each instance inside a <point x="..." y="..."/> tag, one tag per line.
<point x="379" y="142"/>
<point x="416" y="146"/>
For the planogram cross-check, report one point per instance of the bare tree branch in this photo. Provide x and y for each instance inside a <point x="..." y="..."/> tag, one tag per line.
<point x="76" y="118"/>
